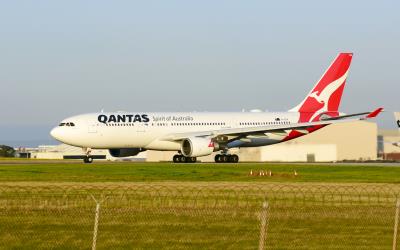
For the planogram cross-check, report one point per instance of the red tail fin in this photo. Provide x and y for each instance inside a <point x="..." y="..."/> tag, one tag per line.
<point x="326" y="95"/>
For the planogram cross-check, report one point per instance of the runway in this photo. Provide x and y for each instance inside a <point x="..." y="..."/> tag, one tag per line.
<point x="40" y="161"/>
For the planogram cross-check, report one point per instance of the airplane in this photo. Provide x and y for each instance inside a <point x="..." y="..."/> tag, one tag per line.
<point x="197" y="134"/>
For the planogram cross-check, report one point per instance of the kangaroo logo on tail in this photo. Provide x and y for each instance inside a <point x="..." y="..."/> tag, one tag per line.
<point x="323" y="96"/>
<point x="326" y="95"/>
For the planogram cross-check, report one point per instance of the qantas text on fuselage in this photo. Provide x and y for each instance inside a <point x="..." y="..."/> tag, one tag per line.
<point x="201" y="133"/>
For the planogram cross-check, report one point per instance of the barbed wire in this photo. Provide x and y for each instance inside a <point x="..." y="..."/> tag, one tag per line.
<point x="210" y="194"/>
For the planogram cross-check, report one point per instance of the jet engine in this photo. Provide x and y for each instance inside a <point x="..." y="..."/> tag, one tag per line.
<point x="124" y="152"/>
<point x="196" y="146"/>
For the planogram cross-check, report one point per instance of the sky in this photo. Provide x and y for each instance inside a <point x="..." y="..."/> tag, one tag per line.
<point x="62" y="58"/>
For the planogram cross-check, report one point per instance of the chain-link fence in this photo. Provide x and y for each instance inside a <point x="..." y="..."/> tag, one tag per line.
<point x="199" y="216"/>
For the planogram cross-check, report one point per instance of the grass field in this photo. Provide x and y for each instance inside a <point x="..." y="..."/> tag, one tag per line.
<point x="150" y="172"/>
<point x="47" y="204"/>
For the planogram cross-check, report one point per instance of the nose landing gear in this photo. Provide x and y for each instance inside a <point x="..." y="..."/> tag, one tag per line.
<point x="88" y="158"/>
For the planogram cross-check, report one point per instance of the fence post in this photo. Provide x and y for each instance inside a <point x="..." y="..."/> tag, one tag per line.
<point x="396" y="223"/>
<point x="96" y="223"/>
<point x="263" y="226"/>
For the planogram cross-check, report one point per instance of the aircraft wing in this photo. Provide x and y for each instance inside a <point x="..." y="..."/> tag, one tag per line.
<point x="243" y="132"/>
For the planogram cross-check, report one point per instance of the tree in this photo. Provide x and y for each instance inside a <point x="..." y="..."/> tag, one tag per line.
<point x="6" y="151"/>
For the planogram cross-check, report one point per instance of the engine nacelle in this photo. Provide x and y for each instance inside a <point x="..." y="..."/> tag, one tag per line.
<point x="124" y="152"/>
<point x="196" y="146"/>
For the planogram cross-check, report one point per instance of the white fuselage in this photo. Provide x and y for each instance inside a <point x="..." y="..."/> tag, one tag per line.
<point x="149" y="130"/>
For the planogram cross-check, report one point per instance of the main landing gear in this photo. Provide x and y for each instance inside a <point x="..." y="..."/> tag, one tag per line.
<point x="182" y="159"/>
<point x="219" y="158"/>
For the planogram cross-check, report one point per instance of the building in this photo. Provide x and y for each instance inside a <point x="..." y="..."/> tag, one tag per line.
<point x="354" y="141"/>
<point x="386" y="148"/>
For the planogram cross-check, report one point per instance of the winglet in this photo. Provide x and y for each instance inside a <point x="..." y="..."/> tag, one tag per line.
<point x="374" y="113"/>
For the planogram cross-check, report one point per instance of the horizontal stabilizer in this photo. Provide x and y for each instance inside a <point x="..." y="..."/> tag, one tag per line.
<point x="374" y="113"/>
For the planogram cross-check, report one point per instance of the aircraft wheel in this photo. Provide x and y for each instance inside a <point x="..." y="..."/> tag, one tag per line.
<point x="190" y="159"/>
<point x="217" y="158"/>
<point x="234" y="158"/>
<point x="224" y="158"/>
<point x="182" y="158"/>
<point x="176" y="158"/>
<point x="87" y="159"/>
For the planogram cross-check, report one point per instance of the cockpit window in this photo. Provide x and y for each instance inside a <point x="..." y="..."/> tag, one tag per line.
<point x="68" y="124"/>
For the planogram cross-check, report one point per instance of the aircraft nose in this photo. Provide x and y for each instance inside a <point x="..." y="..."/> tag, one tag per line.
<point x="55" y="133"/>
